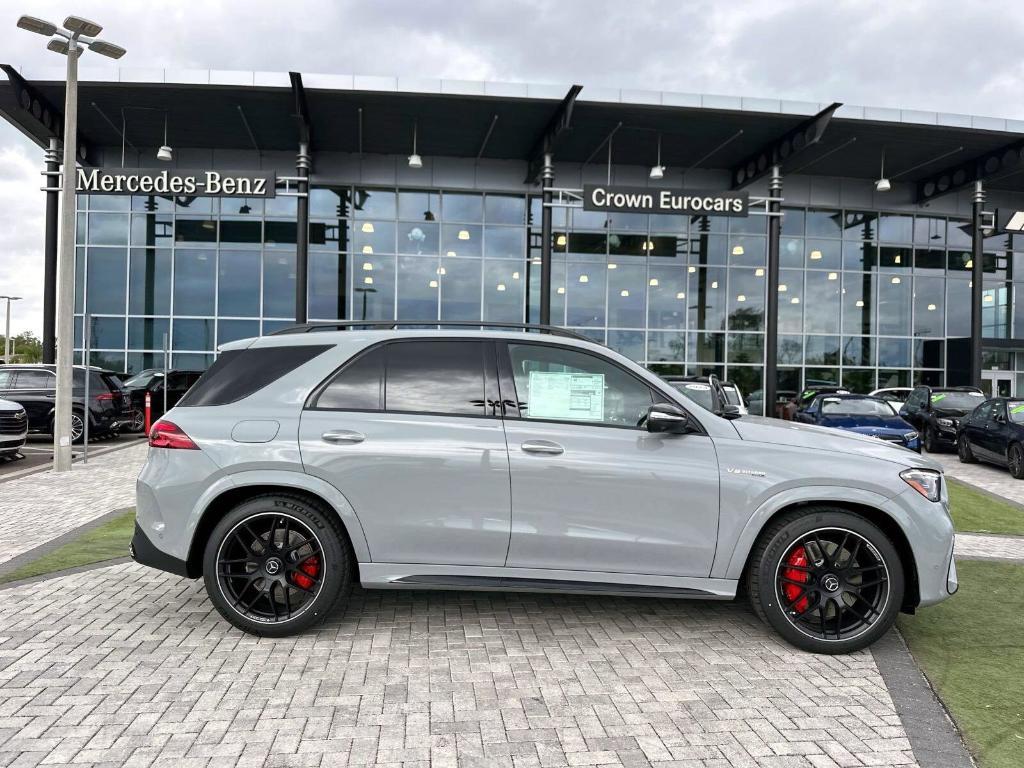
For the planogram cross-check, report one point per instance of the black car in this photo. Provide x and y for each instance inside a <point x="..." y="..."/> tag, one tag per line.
<point x="153" y="381"/>
<point x="34" y="387"/>
<point x="994" y="432"/>
<point x="935" y="412"/>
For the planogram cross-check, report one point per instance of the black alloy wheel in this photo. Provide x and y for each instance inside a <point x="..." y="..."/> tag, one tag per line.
<point x="963" y="450"/>
<point x="1015" y="461"/>
<point x="138" y="422"/>
<point x="276" y="564"/>
<point x="77" y="427"/>
<point x="827" y="580"/>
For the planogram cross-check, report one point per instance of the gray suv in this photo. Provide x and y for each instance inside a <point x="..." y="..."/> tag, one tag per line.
<point x="304" y="462"/>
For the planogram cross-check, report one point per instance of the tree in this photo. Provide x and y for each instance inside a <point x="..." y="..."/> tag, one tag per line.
<point x="27" y="347"/>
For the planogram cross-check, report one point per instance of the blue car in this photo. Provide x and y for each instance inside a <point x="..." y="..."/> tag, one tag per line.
<point x="863" y="414"/>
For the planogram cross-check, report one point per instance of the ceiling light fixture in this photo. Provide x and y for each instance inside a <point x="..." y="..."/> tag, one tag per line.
<point x="759" y="272"/>
<point x="613" y="265"/>
<point x="624" y="293"/>
<point x="368" y="249"/>
<point x="165" y="152"/>
<point x="561" y="290"/>
<point x="515" y="275"/>
<point x="367" y="280"/>
<point x="815" y="255"/>
<point x="501" y="286"/>
<point x="737" y="250"/>
<point x="883" y="184"/>
<point x="367" y="226"/>
<point x="415" y="161"/>
<point x="833" y="276"/>
<point x="859" y="302"/>
<point x="680" y="295"/>
<point x="367" y="266"/>
<point x="463" y="234"/>
<point x="560" y="240"/>
<point x="741" y="297"/>
<point x="653" y="282"/>
<point x="794" y="300"/>
<point x="658" y="170"/>
<point x="432" y="283"/>
<point x="584" y="279"/>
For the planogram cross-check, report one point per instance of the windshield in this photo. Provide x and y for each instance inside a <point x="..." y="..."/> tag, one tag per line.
<point x="142" y="379"/>
<point x="1016" y="410"/>
<point x="961" y="401"/>
<point x="856" y="406"/>
<point x="696" y="391"/>
<point x="732" y="396"/>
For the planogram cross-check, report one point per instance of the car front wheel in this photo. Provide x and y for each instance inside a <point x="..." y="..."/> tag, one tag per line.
<point x="963" y="450"/>
<point x="929" y="440"/>
<point x="1015" y="461"/>
<point x="277" y="564"/>
<point x="827" y="580"/>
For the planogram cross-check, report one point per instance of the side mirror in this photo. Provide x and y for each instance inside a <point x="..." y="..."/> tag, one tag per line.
<point x="665" y="417"/>
<point x="730" y="412"/>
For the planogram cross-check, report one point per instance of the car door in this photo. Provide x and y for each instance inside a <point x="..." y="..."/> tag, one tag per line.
<point x="975" y="429"/>
<point x="996" y="438"/>
<point x="592" y="490"/>
<point x="912" y="410"/>
<point x="35" y="389"/>
<point x="410" y="432"/>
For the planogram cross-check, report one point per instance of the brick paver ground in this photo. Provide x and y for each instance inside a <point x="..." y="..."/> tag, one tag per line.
<point x="40" y="507"/>
<point x="126" y="665"/>
<point x="990" y="478"/>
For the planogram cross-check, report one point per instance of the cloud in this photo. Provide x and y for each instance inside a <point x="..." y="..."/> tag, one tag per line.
<point x="21" y="230"/>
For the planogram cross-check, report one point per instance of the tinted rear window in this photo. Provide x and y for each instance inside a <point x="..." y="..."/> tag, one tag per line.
<point x="239" y="373"/>
<point x="357" y="386"/>
<point x="435" y="377"/>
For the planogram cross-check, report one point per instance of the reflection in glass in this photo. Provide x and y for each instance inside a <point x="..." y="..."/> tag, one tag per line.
<point x="106" y="284"/>
<point x="149" y="281"/>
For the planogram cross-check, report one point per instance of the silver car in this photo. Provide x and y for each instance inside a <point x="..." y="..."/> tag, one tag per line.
<point x="13" y="428"/>
<point x="305" y="462"/>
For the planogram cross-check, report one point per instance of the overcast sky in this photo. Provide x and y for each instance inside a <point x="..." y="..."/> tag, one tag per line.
<point x="941" y="55"/>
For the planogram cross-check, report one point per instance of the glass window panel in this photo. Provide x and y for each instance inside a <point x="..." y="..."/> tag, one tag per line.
<point x="894" y="259"/>
<point x="746" y="299"/>
<point x="140" y="361"/>
<point x="858" y="350"/>
<point x="504" y="291"/>
<point x="929" y="353"/>
<point x="108" y="202"/>
<point x="152" y="203"/>
<point x="80" y="227"/>
<point x="460" y="283"/>
<point x="558" y="293"/>
<point x="238" y="286"/>
<point x="149" y="290"/>
<point x="858" y="303"/>
<point x="188" y="230"/>
<point x="252" y="207"/>
<point x="326" y="288"/>
<point x="747" y="251"/>
<point x="111" y="361"/>
<point x="461" y="240"/>
<point x="80" y="259"/>
<point x="628" y="343"/>
<point x="714" y="224"/>
<point x="585" y="294"/>
<point x="958" y="308"/>
<point x="627" y="295"/>
<point x="435" y="377"/>
<point x="379" y="237"/>
<point x="929" y="309"/>
<point x="666" y="296"/>
<point x="821" y="302"/>
<point x="791" y="350"/>
<point x="791" y="294"/>
<point x="233" y="231"/>
<point x="894" y="303"/>
<point x="791" y="252"/>
<point x="420" y="238"/>
<point x="278" y="284"/>
<point x="374" y="203"/>
<point x="105" y="290"/>
<point x="280" y="233"/>
<point x="284" y="206"/>
<point x="633" y="222"/>
<point x="194" y="281"/>
<point x="666" y="222"/>
<point x="504" y="242"/>
<point x="959" y="261"/>
<point x="930" y="231"/>
<point x="233" y="330"/>
<point x="417" y="205"/>
<point x="888" y="379"/>
<point x="822" y="350"/>
<point x="191" y="362"/>
<point x="746" y="348"/>
<point x="823" y="254"/>
<point x="824" y="224"/>
<point x="958" y="233"/>
<point x="373" y="287"/>
<point x="621" y="244"/>
<point x="749" y="225"/>
<point x="666" y="346"/>
<point x="326" y="202"/>
<point x="329" y="236"/>
<point x="820" y="376"/>
<point x="793" y="222"/>
<point x="505" y="209"/>
<point x="583" y="245"/>
<point x="747" y="378"/>
<point x="107" y="333"/>
<point x="463" y="207"/>
<point x="706" y="298"/>
<point x="893" y="228"/>
<point x="706" y="348"/>
<point x="931" y="378"/>
<point x="147" y="332"/>
<point x="195" y="205"/>
<point x="933" y="261"/>
<point x="108" y="229"/>
<point x="859" y="380"/>
<point x="152" y="229"/>
<point x="559" y="216"/>
<point x="995" y="314"/>
<point x="893" y="353"/>
<point x="860" y="225"/>
<point x="709" y="249"/>
<point x="417" y="288"/>
<point x="269" y="326"/>
<point x="192" y="334"/>
<point x="859" y="255"/>
<point x="580" y="219"/>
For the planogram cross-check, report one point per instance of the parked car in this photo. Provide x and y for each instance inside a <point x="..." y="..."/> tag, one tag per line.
<point x="784" y="399"/>
<point x="994" y="432"/>
<point x="893" y="394"/>
<point x="863" y="414"/>
<point x="935" y="412"/>
<point x="701" y="390"/>
<point x="34" y="388"/>
<point x="303" y="463"/>
<point x="13" y="428"/>
<point x="154" y="382"/>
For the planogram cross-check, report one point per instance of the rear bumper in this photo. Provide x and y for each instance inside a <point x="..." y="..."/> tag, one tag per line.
<point x="143" y="551"/>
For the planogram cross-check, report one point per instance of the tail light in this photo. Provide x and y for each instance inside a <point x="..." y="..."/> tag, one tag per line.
<point x="106" y="396"/>
<point x="166" y="434"/>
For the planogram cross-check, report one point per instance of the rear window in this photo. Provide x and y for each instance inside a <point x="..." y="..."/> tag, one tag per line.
<point x="239" y="373"/>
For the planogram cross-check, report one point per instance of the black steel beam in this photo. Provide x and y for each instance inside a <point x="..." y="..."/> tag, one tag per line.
<point x="962" y="175"/>
<point x="783" y="149"/>
<point x="301" y="109"/>
<point x="560" y="122"/>
<point x="303" y="164"/>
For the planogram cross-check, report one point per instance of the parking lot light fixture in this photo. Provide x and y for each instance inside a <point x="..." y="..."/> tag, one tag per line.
<point x="8" y="346"/>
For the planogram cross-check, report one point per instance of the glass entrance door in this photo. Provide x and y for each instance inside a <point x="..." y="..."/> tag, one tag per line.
<point x="997" y="384"/>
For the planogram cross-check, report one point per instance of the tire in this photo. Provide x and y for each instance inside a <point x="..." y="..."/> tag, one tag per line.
<point x="308" y="580"/>
<point x="77" y="426"/>
<point x="1015" y="461"/>
<point x="929" y="440"/>
<point x="138" y="420"/>
<point x="878" y="577"/>
<point x="963" y="450"/>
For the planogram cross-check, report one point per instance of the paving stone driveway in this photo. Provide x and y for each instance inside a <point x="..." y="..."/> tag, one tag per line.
<point x="125" y="665"/>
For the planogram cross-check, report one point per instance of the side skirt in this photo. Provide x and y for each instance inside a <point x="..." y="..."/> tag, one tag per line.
<point x="500" y="579"/>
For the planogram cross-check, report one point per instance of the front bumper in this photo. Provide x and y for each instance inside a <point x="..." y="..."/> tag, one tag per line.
<point x="945" y="435"/>
<point x="143" y="552"/>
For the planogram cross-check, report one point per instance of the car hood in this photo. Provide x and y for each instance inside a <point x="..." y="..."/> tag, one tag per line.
<point x="871" y="425"/>
<point x="777" y="432"/>
<point x="951" y="413"/>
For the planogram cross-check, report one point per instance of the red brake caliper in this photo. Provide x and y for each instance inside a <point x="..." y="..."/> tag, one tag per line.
<point x="310" y="566"/>
<point x="797" y="557"/>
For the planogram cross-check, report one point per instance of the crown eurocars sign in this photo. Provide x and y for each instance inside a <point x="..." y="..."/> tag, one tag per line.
<point x="129" y="181"/>
<point x="606" y="197"/>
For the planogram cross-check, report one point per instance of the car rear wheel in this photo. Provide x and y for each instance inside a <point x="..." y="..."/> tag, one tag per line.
<point x="138" y="420"/>
<point x="277" y="564"/>
<point x="77" y="427"/>
<point x="827" y="580"/>
<point x="1015" y="461"/>
<point x="963" y="450"/>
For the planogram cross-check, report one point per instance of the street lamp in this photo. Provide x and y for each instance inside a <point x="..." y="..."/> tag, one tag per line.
<point x="77" y="34"/>
<point x="8" y="347"/>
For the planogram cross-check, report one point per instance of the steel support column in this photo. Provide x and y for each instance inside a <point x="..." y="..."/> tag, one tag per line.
<point x="771" y="314"/>
<point x="50" y="253"/>
<point x="977" y="279"/>
<point x="547" y="176"/>
<point x="302" y="165"/>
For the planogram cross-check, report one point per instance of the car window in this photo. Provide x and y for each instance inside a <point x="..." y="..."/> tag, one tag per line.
<point x="1015" y="411"/>
<point x="36" y="380"/>
<point x="732" y="395"/>
<point x="435" y="376"/>
<point x="6" y="379"/>
<point x="956" y="399"/>
<point x="238" y="373"/>
<point x="857" y="406"/>
<point x="697" y="391"/>
<point x="983" y="412"/>
<point x="358" y="386"/>
<point x="558" y="384"/>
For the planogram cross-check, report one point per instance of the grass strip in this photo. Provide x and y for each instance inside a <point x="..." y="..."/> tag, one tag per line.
<point x="977" y="512"/>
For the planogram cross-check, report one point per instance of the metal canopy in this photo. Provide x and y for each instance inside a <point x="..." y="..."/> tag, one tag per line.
<point x="208" y="117"/>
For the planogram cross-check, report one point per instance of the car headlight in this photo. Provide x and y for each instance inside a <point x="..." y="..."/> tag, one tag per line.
<point x="944" y="422"/>
<point x="927" y="482"/>
<point x="910" y="436"/>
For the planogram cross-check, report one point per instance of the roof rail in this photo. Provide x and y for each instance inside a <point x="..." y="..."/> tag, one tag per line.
<point x="440" y="324"/>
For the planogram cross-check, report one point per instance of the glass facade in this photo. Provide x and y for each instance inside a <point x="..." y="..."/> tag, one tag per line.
<point x="866" y="298"/>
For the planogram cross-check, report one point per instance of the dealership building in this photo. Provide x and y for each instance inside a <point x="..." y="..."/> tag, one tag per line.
<point x="693" y="233"/>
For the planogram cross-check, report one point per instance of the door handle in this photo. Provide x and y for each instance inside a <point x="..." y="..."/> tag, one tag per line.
<point x="342" y="436"/>
<point x="545" y="447"/>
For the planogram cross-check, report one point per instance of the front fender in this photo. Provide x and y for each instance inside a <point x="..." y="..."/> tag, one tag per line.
<point x="297" y="480"/>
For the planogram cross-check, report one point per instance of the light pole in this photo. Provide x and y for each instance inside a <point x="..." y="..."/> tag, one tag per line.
<point x="69" y="41"/>
<point x="8" y="347"/>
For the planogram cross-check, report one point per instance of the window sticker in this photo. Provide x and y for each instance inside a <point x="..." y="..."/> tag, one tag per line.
<point x="698" y="387"/>
<point x="938" y="397"/>
<point x="1017" y="408"/>
<point x="566" y="396"/>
